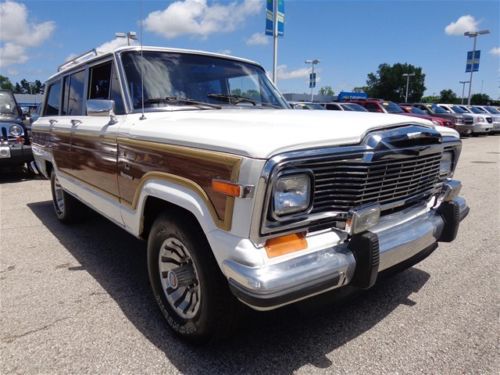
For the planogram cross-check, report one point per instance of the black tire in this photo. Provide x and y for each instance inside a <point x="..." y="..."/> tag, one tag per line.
<point x="217" y="312"/>
<point x="72" y="210"/>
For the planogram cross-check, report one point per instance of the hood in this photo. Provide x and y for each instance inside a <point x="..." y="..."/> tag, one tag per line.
<point x="4" y="117"/>
<point x="262" y="133"/>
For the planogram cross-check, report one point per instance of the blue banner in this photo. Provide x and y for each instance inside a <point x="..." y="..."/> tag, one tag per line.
<point x="270" y="17"/>
<point x="472" y="63"/>
<point x="312" y="80"/>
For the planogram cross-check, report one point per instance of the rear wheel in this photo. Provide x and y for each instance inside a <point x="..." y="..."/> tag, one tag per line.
<point x="187" y="283"/>
<point x="68" y="209"/>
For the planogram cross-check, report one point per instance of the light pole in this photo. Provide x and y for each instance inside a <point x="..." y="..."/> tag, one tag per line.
<point x="463" y="90"/>
<point x="131" y="35"/>
<point x="407" y="75"/>
<point x="312" y="62"/>
<point x="473" y="34"/>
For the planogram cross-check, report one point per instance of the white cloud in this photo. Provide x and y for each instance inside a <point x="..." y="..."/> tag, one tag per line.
<point x="258" y="39"/>
<point x="115" y="43"/>
<point x="197" y="18"/>
<point x="495" y="51"/>
<point x="284" y="73"/>
<point x="225" y="51"/>
<point x="463" y="24"/>
<point x="11" y="54"/>
<point x="18" y="33"/>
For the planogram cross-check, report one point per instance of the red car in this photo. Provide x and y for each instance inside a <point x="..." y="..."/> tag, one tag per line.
<point x="385" y="106"/>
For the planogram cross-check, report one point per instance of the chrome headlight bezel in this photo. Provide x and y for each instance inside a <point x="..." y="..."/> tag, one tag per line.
<point x="302" y="181"/>
<point x="447" y="164"/>
<point x="16" y="130"/>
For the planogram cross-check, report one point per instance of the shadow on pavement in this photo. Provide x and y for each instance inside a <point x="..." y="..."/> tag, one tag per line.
<point x="280" y="341"/>
<point x="11" y="174"/>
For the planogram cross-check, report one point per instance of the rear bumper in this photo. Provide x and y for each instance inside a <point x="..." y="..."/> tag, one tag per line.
<point x="419" y="229"/>
<point x="14" y="155"/>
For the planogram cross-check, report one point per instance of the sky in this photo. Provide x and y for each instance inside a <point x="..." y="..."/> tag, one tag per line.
<point x="350" y="38"/>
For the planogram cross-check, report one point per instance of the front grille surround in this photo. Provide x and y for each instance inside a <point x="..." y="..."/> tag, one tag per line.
<point x="361" y="158"/>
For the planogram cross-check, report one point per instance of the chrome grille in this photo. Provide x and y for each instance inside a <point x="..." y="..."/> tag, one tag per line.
<point x="343" y="184"/>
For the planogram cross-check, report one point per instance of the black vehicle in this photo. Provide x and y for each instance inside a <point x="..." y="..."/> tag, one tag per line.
<point x="463" y="123"/>
<point x="15" y="145"/>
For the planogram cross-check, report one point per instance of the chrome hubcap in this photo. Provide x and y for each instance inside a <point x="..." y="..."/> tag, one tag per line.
<point x="179" y="278"/>
<point x="59" y="196"/>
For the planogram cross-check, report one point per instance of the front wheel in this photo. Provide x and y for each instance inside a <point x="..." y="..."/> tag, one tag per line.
<point x="187" y="283"/>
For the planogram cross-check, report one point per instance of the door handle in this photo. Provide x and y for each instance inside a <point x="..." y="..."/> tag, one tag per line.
<point x="75" y="123"/>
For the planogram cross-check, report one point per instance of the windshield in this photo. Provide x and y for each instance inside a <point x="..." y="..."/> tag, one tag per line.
<point x="7" y="104"/>
<point x="438" y="110"/>
<point x="458" y="109"/>
<point x="354" y="107"/>
<point x="392" y="107"/>
<point x="417" y="111"/>
<point x="493" y="110"/>
<point x="478" y="110"/>
<point x="206" y="79"/>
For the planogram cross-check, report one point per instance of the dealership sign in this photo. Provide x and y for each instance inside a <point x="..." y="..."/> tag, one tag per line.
<point x="472" y="64"/>
<point x="270" y="17"/>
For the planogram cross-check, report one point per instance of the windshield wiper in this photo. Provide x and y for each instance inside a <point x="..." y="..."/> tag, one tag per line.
<point x="180" y="100"/>
<point x="232" y="99"/>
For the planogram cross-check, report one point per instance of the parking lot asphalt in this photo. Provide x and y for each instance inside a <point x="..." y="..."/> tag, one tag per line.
<point x="76" y="299"/>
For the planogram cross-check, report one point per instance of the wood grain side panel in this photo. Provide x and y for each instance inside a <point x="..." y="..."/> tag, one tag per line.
<point x="142" y="160"/>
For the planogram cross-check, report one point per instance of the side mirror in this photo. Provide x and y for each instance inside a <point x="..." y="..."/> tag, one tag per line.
<point x="101" y="108"/>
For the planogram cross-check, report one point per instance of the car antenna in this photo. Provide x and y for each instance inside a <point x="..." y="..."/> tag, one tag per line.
<point x="143" y="117"/>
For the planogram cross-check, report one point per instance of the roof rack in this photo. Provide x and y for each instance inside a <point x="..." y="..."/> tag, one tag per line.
<point x="78" y="59"/>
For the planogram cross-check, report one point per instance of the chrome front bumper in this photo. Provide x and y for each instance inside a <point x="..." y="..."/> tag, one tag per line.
<point x="482" y="128"/>
<point x="274" y="285"/>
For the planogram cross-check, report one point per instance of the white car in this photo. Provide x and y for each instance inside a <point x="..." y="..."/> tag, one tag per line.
<point x="483" y="124"/>
<point x="240" y="198"/>
<point x="491" y="111"/>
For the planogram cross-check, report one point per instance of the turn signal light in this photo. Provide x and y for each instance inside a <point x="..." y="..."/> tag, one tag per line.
<point x="285" y="244"/>
<point x="226" y="188"/>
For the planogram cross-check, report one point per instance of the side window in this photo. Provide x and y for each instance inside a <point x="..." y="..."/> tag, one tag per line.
<point x="332" y="107"/>
<point x="372" y="107"/>
<point x="103" y="84"/>
<point x="100" y="81"/>
<point x="73" y="94"/>
<point x="53" y="102"/>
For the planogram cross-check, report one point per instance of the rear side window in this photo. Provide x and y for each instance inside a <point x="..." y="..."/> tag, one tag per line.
<point x="53" y="103"/>
<point x="73" y="94"/>
<point x="332" y="107"/>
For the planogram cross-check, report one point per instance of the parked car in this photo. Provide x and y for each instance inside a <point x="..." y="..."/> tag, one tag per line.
<point x="489" y="111"/>
<point x="241" y="199"/>
<point x="344" y="107"/>
<point x="306" y="105"/>
<point x="15" y="146"/>
<point x="411" y="110"/>
<point x="464" y="124"/>
<point x="482" y="124"/>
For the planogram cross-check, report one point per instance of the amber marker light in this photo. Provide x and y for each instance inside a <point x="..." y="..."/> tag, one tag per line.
<point x="226" y="188"/>
<point x="285" y="244"/>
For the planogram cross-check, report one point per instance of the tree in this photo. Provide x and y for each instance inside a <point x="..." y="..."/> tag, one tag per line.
<point x="480" y="99"/>
<point x="388" y="83"/>
<point x="5" y="83"/>
<point x="447" y="96"/>
<point x="430" y="99"/>
<point x="326" y="91"/>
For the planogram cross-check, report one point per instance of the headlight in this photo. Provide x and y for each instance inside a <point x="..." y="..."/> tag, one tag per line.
<point x="480" y="119"/>
<point x="292" y="194"/>
<point x="16" y="130"/>
<point x="446" y="164"/>
<point x="436" y="122"/>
